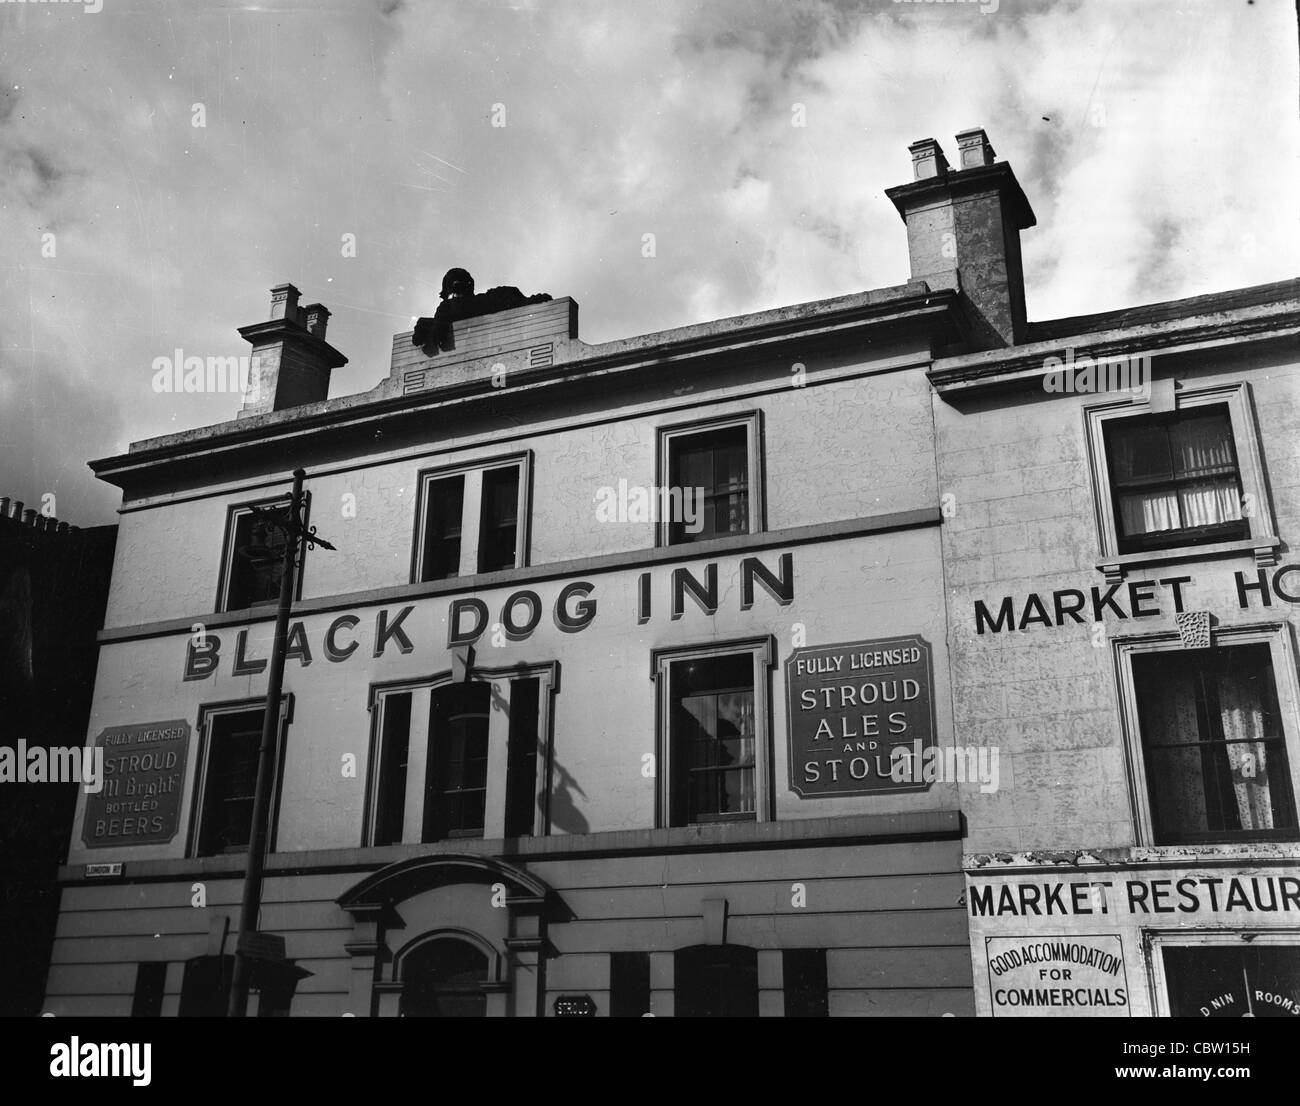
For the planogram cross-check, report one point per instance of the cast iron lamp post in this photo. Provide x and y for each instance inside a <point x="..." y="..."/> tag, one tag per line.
<point x="298" y="536"/>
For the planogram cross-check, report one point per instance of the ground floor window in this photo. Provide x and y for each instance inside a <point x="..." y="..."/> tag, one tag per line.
<point x="715" y="981"/>
<point x="150" y="984"/>
<point x="629" y="984"/>
<point x="805" y="983"/>
<point x="443" y="978"/>
<point x="1230" y="976"/>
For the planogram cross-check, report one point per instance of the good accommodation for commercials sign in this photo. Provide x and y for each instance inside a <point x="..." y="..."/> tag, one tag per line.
<point x="849" y="707"/>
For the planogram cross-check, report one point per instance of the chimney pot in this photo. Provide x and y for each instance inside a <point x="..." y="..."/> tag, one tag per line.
<point x="284" y="302"/>
<point x="4" y="506"/>
<point x="29" y="517"/>
<point x="318" y="317"/>
<point x="18" y="510"/>
<point x="927" y="159"/>
<point x="64" y="528"/>
<point x="974" y="148"/>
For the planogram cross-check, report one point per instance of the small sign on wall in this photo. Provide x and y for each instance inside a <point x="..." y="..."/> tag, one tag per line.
<point x="144" y="770"/>
<point x="849" y="707"/>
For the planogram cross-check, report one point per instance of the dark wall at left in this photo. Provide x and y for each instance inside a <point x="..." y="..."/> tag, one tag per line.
<point x="53" y="589"/>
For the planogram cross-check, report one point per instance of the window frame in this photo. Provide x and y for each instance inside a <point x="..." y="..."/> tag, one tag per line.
<point x="1169" y="398"/>
<point x="234" y="511"/>
<point x="666" y="436"/>
<point x="208" y="713"/>
<point x="472" y="513"/>
<point x="1156" y="941"/>
<point x="546" y="673"/>
<point x="1277" y="635"/>
<point x="763" y="654"/>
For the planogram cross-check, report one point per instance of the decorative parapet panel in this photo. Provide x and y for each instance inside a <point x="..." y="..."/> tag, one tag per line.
<point x="535" y="336"/>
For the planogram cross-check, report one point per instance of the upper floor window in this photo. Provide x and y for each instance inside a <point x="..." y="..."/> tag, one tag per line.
<point x="1214" y="747"/>
<point x="713" y="749"/>
<point x="459" y="759"/>
<point x="713" y="475"/>
<point x="1179" y="474"/>
<point x="231" y="738"/>
<point x="1175" y="479"/>
<point x="253" y="560"/>
<point x="472" y="520"/>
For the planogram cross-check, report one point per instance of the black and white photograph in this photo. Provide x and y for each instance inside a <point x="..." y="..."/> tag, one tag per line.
<point x="577" y="509"/>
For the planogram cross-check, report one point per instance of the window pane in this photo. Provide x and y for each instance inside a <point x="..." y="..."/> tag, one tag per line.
<point x="457" y="782"/>
<point x="1138" y="450"/>
<point x="712" y="468"/>
<point x="1259" y="981"/>
<point x="205" y="986"/>
<point x="629" y="984"/>
<point x="441" y="979"/>
<point x="1214" y="745"/>
<point x="150" y="982"/>
<point x="499" y="526"/>
<point x="712" y="731"/>
<point x="257" y="561"/>
<point x="442" y="527"/>
<point x="1210" y="502"/>
<point x="1201" y="444"/>
<point x="715" y="981"/>
<point x="805" y="983"/>
<point x="1175" y="480"/>
<point x="521" y="771"/>
<point x="390" y="789"/>
<point x="230" y="781"/>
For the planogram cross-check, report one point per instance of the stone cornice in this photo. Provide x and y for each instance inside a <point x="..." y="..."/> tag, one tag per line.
<point x="1022" y="367"/>
<point x="913" y="307"/>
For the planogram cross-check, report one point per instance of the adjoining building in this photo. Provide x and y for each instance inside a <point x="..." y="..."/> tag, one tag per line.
<point x="53" y="587"/>
<point x="1122" y="500"/>
<point x="673" y="675"/>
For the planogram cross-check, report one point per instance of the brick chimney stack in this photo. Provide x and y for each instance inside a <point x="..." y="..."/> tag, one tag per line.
<point x="963" y="228"/>
<point x="292" y="361"/>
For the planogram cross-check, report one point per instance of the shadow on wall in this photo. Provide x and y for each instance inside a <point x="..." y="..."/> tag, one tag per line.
<point x="564" y="811"/>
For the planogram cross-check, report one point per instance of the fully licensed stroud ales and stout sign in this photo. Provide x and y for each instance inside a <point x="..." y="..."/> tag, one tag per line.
<point x="140" y="803"/>
<point x="849" y="707"/>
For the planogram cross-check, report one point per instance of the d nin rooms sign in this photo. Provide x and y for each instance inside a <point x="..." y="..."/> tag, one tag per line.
<point x="849" y="707"/>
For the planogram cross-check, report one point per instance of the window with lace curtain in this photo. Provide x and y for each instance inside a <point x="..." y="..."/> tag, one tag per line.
<point x="716" y="466"/>
<point x="713" y="741"/>
<point x="1214" y="746"/>
<point x="1175" y="479"/>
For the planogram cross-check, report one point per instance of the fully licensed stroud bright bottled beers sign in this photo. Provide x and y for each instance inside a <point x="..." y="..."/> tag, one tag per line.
<point x="859" y="712"/>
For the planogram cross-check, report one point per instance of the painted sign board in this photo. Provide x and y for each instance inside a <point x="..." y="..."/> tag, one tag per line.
<point x="140" y="802"/>
<point x="1038" y="977"/>
<point x="850" y="706"/>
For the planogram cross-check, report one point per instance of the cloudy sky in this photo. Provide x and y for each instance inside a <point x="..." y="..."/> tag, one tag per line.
<point x="1157" y="142"/>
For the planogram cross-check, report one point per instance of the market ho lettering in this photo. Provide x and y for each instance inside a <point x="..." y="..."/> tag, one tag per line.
<point x="1140" y="597"/>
